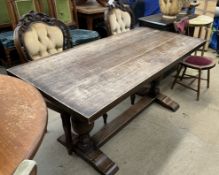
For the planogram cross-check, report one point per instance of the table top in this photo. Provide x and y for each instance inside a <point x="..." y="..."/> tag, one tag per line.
<point x="23" y="122"/>
<point x="158" y="20"/>
<point x="201" y="20"/>
<point x="90" y="8"/>
<point x="92" y="78"/>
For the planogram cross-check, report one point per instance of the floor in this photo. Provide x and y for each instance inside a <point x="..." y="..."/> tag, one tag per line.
<point x="157" y="142"/>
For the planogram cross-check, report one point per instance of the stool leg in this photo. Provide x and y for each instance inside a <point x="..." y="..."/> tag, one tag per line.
<point x="177" y="75"/>
<point x="199" y="84"/>
<point x="184" y="71"/>
<point x="208" y="79"/>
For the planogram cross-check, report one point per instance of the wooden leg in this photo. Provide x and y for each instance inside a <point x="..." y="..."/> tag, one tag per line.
<point x="105" y="116"/>
<point x="183" y="74"/>
<point x="132" y="97"/>
<point x="208" y="79"/>
<point x="86" y="149"/>
<point x="154" y="90"/>
<point x="162" y="99"/>
<point x="177" y="75"/>
<point x="66" y="123"/>
<point x="8" y="57"/>
<point x="167" y="102"/>
<point x="89" y="22"/>
<point x="199" y="84"/>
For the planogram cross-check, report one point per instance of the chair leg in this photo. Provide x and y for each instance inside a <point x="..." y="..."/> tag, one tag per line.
<point x="177" y="75"/>
<point x="105" y="118"/>
<point x="183" y="74"/>
<point x="208" y="79"/>
<point x="199" y="84"/>
<point x="8" y="57"/>
<point x="132" y="97"/>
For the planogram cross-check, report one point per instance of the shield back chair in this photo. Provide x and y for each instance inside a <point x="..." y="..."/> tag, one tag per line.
<point x="118" y="18"/>
<point x="37" y="36"/>
<point x="16" y="9"/>
<point x="194" y="62"/>
<point x="65" y="11"/>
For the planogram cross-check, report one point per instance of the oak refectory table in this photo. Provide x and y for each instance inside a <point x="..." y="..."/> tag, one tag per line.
<point x="89" y="80"/>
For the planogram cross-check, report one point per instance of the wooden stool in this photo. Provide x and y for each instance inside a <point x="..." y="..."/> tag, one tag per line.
<point x="203" y="23"/>
<point x="23" y="115"/>
<point x="198" y="63"/>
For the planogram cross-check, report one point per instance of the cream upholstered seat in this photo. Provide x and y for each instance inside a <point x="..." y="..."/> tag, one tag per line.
<point x="42" y="40"/>
<point x="37" y="36"/>
<point x="119" y="19"/>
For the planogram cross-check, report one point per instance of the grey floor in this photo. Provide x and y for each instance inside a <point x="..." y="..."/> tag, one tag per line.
<point x="157" y="142"/>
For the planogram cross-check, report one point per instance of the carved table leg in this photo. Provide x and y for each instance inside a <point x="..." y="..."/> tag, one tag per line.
<point x="86" y="148"/>
<point x="161" y="98"/>
<point x="66" y="123"/>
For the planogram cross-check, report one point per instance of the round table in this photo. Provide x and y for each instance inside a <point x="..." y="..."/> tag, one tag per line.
<point x="23" y="120"/>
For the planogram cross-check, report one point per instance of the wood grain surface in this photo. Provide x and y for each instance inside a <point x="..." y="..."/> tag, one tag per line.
<point x="92" y="78"/>
<point x="23" y="119"/>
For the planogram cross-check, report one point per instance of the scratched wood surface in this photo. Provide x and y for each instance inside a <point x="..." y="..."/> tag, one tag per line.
<point x="23" y="119"/>
<point x="94" y="77"/>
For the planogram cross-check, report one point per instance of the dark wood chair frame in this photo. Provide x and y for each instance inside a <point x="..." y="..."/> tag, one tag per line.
<point x="22" y="27"/>
<point x="122" y="7"/>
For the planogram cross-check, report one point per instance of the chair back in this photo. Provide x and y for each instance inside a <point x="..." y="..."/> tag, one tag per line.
<point x="4" y="16"/>
<point x="118" y="18"/>
<point x="18" y="8"/>
<point x="44" y="7"/>
<point x="65" y="11"/>
<point x="37" y="36"/>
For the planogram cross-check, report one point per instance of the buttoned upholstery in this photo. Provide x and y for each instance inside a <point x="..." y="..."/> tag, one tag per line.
<point x="119" y="21"/>
<point x="42" y="40"/>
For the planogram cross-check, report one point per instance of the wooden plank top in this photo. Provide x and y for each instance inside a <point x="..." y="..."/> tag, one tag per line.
<point x="92" y="78"/>
<point x="23" y="119"/>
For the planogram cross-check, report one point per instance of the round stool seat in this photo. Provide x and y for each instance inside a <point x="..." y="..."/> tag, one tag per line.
<point x="199" y="62"/>
<point x="23" y="120"/>
<point x="201" y="20"/>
